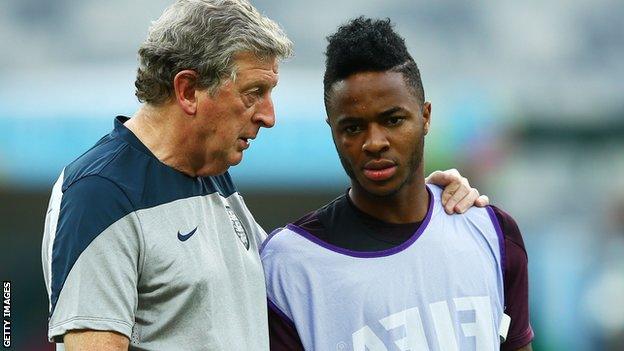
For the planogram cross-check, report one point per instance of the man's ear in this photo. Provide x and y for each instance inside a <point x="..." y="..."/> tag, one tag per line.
<point x="426" y="112"/>
<point x="185" y="89"/>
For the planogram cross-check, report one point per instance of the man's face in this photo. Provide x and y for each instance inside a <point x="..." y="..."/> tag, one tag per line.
<point x="378" y="127"/>
<point x="229" y="119"/>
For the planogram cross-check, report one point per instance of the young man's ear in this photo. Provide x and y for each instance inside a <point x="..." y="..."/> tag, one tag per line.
<point x="426" y="112"/>
<point x="185" y="89"/>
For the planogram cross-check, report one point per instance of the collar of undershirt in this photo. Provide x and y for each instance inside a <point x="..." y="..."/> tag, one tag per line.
<point x="381" y="230"/>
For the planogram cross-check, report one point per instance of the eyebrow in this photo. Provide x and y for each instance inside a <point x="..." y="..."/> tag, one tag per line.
<point x="348" y="120"/>
<point x="352" y="119"/>
<point x="261" y="83"/>
<point x="390" y="111"/>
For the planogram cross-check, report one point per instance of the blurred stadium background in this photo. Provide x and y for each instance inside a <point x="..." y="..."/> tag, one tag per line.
<point x="527" y="102"/>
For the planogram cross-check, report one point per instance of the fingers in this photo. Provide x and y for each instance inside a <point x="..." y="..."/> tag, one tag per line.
<point x="431" y="179"/>
<point x="482" y="201"/>
<point x="459" y="197"/>
<point x="453" y="174"/>
<point x="448" y="193"/>
<point x="467" y="201"/>
<point x="460" y="204"/>
<point x="443" y="178"/>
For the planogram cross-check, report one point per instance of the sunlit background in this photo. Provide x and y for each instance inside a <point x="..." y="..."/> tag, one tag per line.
<point x="528" y="102"/>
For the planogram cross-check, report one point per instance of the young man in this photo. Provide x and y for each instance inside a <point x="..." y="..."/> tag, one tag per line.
<point x="147" y="243"/>
<point x="383" y="267"/>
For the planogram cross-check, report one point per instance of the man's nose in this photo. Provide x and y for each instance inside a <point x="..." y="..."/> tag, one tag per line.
<point x="265" y="114"/>
<point x="376" y="140"/>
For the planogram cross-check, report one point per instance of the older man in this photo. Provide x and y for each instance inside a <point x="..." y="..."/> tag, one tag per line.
<point x="147" y="243"/>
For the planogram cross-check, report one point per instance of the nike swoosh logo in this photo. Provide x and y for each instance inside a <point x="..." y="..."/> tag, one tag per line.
<point x="185" y="237"/>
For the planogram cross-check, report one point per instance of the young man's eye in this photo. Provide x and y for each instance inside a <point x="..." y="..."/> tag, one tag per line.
<point x="352" y="129"/>
<point x="394" y="121"/>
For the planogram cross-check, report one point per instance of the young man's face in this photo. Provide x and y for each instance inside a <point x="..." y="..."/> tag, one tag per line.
<point x="378" y="126"/>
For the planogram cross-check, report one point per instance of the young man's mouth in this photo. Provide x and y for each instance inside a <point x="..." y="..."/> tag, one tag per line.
<point x="379" y="170"/>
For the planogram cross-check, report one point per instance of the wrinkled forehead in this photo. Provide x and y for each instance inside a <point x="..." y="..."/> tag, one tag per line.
<point x="250" y="61"/>
<point x="249" y="67"/>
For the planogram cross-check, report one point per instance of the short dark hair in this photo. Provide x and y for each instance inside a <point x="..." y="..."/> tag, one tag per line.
<point x="368" y="45"/>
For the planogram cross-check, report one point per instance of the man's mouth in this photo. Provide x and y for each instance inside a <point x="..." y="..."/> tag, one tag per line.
<point x="379" y="170"/>
<point x="245" y="141"/>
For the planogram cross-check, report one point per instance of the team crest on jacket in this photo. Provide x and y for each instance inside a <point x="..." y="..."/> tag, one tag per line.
<point x="239" y="229"/>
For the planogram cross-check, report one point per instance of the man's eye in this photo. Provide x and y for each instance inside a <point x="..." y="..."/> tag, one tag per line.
<point x="250" y="97"/>
<point x="352" y="129"/>
<point x="254" y="92"/>
<point x="394" y="121"/>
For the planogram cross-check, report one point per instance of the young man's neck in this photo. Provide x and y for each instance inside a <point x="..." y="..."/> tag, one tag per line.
<point x="408" y="205"/>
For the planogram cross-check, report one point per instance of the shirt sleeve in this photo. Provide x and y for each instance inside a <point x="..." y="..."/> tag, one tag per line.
<point x="283" y="335"/>
<point x="94" y="259"/>
<point x="516" y="282"/>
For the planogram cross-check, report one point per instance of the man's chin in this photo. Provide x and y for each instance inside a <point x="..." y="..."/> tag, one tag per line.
<point x="379" y="189"/>
<point x="222" y="165"/>
<point x="236" y="159"/>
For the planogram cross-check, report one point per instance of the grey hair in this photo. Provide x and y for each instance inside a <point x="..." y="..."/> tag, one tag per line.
<point x="204" y="36"/>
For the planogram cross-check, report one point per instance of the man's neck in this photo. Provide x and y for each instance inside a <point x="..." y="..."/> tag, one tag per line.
<point x="408" y="205"/>
<point x="158" y="128"/>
